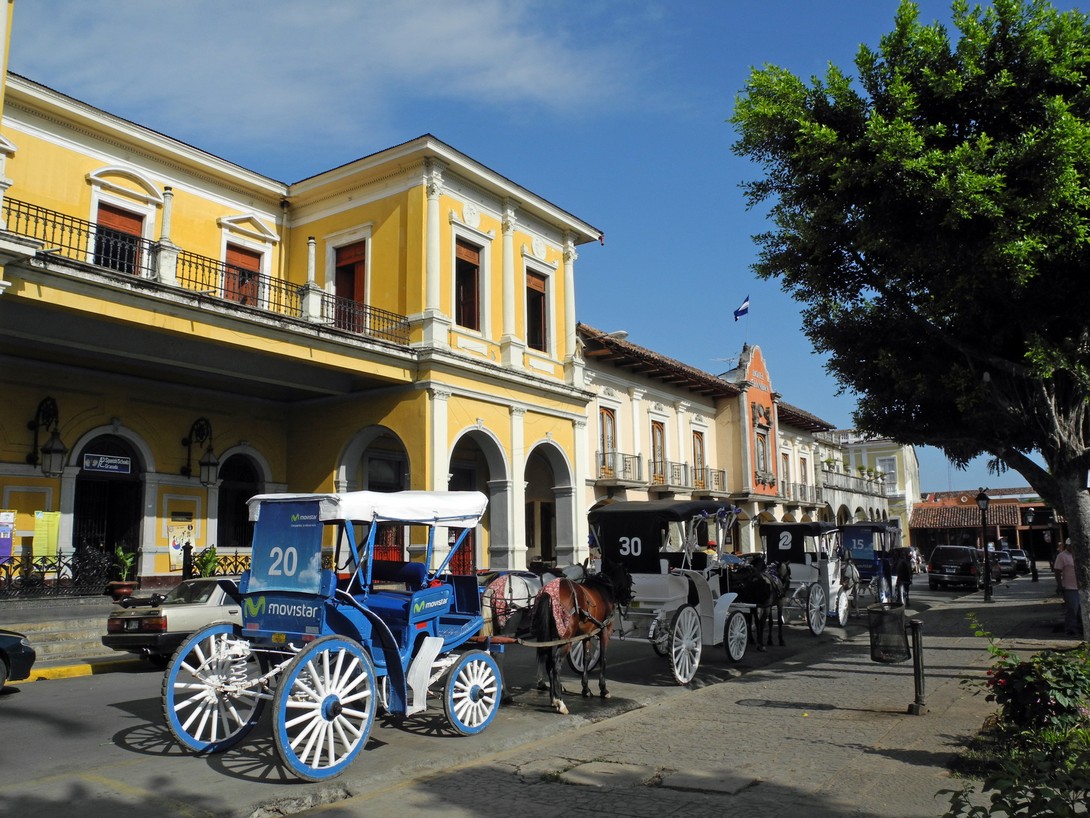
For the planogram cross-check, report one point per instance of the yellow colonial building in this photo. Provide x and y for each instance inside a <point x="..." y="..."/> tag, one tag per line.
<point x="179" y="333"/>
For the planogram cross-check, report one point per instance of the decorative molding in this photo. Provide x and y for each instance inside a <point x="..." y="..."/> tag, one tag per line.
<point x="248" y="225"/>
<point x="537" y="247"/>
<point x="471" y="215"/>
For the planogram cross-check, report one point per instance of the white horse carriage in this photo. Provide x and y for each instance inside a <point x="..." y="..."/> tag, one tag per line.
<point x="679" y="603"/>
<point x="812" y="551"/>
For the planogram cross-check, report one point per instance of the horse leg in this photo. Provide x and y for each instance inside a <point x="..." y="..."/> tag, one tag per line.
<point x="585" y="644"/>
<point x="542" y="669"/>
<point x="761" y="615"/>
<point x="556" y="690"/>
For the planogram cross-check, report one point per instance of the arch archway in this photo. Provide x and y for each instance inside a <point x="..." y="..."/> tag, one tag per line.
<point x="376" y="460"/>
<point x="240" y="478"/>
<point x="550" y="506"/>
<point x="108" y="503"/>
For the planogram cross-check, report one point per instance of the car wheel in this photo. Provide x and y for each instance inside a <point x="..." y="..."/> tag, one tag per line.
<point x="3" y="672"/>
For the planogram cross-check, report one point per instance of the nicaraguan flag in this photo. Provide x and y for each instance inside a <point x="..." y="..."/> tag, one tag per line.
<point x="742" y="310"/>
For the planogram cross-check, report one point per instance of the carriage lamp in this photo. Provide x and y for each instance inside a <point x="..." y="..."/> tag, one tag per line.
<point x="982" y="503"/>
<point x="54" y="450"/>
<point x="200" y="433"/>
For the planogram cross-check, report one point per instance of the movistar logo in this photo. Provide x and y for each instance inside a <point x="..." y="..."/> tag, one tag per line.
<point x="424" y="605"/>
<point x="300" y="609"/>
<point x="297" y="517"/>
<point x="254" y="607"/>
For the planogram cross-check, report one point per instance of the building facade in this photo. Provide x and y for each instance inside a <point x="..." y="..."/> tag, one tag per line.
<point x="191" y="333"/>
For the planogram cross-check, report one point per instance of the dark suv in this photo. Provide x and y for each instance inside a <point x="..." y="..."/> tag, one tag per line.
<point x="954" y="565"/>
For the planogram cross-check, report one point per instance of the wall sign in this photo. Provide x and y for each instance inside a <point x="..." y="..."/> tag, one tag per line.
<point x="110" y="463"/>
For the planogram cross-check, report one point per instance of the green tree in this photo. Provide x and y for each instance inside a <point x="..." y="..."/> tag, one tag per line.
<point x="932" y="215"/>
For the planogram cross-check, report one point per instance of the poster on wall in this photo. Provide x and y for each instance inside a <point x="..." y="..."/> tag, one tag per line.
<point x="181" y="535"/>
<point x="47" y="525"/>
<point x="7" y="532"/>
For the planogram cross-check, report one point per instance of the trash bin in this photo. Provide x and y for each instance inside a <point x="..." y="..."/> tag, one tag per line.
<point x="888" y="635"/>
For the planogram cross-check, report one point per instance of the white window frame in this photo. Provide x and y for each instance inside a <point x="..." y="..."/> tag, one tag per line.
<point x="547" y="271"/>
<point x="484" y="241"/>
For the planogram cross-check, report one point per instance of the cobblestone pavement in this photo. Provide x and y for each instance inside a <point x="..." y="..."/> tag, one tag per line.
<point x="824" y="733"/>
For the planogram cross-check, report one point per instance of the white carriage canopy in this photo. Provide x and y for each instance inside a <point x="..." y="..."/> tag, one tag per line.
<point x="452" y="509"/>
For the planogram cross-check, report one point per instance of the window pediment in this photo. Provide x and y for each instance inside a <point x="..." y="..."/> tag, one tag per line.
<point x="126" y="182"/>
<point x="248" y="225"/>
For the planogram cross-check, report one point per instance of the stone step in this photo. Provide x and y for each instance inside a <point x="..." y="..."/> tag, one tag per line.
<point x="61" y="631"/>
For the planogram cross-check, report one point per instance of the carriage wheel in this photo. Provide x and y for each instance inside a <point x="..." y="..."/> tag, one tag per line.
<point x="210" y="694"/>
<point x="817" y="608"/>
<point x="471" y="696"/>
<point x="736" y="636"/>
<point x="588" y="649"/>
<point x="325" y="705"/>
<point x="685" y="644"/>
<point x="842" y="608"/>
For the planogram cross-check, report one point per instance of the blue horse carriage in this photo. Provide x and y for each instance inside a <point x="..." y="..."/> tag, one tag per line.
<point x="867" y="565"/>
<point x="330" y="646"/>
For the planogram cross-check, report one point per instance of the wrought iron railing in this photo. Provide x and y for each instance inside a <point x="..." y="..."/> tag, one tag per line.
<point x="215" y="278"/>
<point x="620" y="466"/>
<point x="62" y="575"/>
<point x="708" y="479"/>
<point x="81" y="240"/>
<point x="669" y="473"/>
<point x="95" y="244"/>
<point x="364" y="319"/>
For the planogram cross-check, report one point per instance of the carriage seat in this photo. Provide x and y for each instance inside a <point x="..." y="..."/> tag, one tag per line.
<point x="675" y="559"/>
<point x="411" y="574"/>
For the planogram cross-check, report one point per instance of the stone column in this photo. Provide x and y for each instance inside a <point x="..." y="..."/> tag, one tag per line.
<point x="518" y="486"/>
<point x="166" y="263"/>
<point x="511" y="346"/>
<point x="312" y="293"/>
<point x="436" y="325"/>
<point x="636" y="397"/>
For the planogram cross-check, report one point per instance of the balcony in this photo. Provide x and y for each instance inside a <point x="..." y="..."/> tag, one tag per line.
<point x="667" y="475"/>
<point x="104" y="248"/>
<point x="802" y="493"/>
<point x="708" y="481"/>
<point x="618" y="469"/>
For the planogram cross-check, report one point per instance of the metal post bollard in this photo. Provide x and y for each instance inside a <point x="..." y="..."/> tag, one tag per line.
<point x="918" y="707"/>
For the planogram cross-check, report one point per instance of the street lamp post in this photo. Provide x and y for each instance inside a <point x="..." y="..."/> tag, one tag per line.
<point x="1032" y="549"/>
<point x="982" y="502"/>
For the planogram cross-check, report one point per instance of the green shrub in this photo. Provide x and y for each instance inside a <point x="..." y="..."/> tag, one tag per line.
<point x="1047" y="693"/>
<point x="204" y="562"/>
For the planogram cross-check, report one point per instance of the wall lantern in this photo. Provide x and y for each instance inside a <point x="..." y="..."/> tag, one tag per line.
<point x="54" y="451"/>
<point x="201" y="432"/>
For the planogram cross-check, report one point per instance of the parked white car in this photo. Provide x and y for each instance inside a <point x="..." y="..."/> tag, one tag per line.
<point x="156" y="629"/>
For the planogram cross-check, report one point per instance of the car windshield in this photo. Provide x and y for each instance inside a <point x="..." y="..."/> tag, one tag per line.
<point x="191" y="591"/>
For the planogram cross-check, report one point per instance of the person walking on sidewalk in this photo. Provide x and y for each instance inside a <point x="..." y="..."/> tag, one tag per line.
<point x="1064" y="566"/>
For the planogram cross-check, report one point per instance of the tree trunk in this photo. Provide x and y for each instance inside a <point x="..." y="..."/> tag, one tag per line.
<point x="1076" y="508"/>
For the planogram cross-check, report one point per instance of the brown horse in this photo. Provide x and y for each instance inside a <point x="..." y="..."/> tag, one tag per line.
<point x="565" y="610"/>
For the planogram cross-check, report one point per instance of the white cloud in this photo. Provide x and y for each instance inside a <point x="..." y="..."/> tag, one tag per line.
<point x="336" y="76"/>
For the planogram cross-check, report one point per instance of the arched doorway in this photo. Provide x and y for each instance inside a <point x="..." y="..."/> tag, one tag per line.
<point x="108" y="506"/>
<point x="540" y="511"/>
<point x="376" y="460"/>
<point x="239" y="481"/>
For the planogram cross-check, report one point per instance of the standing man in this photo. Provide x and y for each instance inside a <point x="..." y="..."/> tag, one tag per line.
<point x="1069" y="588"/>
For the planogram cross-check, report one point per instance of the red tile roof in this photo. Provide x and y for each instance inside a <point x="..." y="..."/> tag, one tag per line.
<point x="930" y="516"/>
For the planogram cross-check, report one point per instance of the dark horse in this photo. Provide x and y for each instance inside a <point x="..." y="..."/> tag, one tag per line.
<point x="566" y="609"/>
<point x="764" y="589"/>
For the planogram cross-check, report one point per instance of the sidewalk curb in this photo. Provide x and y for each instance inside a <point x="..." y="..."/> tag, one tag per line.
<point x="88" y="667"/>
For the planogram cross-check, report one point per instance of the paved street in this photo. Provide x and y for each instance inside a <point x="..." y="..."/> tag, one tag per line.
<point x="815" y="725"/>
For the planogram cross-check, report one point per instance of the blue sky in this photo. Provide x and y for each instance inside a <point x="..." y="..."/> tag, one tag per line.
<point x="614" y="110"/>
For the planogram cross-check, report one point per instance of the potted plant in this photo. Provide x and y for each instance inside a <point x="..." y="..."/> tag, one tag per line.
<point x="121" y="588"/>
<point x="204" y="562"/>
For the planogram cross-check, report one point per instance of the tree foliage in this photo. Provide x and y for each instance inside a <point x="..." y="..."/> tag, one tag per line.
<point x="932" y="215"/>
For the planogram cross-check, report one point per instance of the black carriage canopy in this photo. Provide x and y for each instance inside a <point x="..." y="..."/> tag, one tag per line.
<point x="864" y="540"/>
<point x="634" y="532"/>
<point x="786" y="542"/>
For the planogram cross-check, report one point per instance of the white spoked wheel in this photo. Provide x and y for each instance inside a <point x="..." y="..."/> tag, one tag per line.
<point x="843" y="608"/>
<point x="587" y="652"/>
<point x="211" y="697"/>
<point x="817" y="607"/>
<point x="471" y="697"/>
<point x="736" y="636"/>
<point x="685" y="644"/>
<point x="325" y="706"/>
